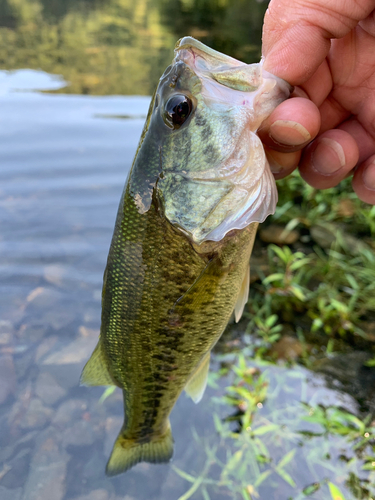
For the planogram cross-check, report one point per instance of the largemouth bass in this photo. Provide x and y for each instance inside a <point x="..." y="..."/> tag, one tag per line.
<point x="178" y="265"/>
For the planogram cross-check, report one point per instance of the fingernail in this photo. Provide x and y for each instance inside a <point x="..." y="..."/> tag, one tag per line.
<point x="328" y="157"/>
<point x="289" y="133"/>
<point x="369" y="176"/>
<point x="275" y="166"/>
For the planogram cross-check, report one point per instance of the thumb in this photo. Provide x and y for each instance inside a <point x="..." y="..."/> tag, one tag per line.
<point x="297" y="33"/>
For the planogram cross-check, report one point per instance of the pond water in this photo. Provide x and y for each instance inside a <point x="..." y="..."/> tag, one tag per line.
<point x="64" y="161"/>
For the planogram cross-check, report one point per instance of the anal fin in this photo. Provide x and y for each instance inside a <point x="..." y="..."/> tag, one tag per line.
<point x="95" y="371"/>
<point x="243" y="296"/>
<point x="197" y="383"/>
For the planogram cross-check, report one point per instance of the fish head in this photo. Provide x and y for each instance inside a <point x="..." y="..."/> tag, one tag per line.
<point x="214" y="176"/>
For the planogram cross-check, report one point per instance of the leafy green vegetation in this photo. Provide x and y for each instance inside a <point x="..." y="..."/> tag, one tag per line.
<point x="273" y="442"/>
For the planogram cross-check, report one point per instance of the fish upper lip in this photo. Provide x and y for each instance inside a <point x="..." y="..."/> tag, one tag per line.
<point x="197" y="48"/>
<point x="207" y="62"/>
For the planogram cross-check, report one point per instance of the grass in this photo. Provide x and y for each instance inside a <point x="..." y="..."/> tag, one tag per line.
<point x="274" y="438"/>
<point x="330" y="290"/>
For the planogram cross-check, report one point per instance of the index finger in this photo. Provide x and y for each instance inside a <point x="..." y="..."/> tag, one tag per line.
<point x="297" y="33"/>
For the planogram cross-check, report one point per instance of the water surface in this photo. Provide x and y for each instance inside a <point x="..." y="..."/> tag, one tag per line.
<point x="64" y="157"/>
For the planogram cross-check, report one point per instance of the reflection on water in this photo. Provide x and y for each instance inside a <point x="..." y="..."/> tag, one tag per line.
<point x="64" y="160"/>
<point x="119" y="46"/>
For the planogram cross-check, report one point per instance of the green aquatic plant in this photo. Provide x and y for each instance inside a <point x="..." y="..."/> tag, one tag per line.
<point x="290" y="281"/>
<point x="242" y="456"/>
<point x="335" y="492"/>
<point x="301" y="204"/>
<point x="328" y="291"/>
<point x="263" y="443"/>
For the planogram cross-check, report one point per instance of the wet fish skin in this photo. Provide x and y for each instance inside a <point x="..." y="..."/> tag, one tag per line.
<point x="179" y="253"/>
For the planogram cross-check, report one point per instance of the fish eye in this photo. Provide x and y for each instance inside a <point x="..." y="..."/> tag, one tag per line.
<point x="177" y="110"/>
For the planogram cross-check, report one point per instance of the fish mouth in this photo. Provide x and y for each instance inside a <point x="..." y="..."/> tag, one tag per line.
<point x="197" y="54"/>
<point x="209" y="64"/>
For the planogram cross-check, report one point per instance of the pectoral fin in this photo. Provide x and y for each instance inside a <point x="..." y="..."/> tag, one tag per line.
<point x="95" y="371"/>
<point x="197" y="383"/>
<point x="243" y="296"/>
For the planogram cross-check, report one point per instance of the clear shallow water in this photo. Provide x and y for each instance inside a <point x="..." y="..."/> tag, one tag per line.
<point x="64" y="160"/>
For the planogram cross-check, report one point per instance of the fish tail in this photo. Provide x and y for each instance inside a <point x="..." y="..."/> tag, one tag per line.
<point x="128" y="452"/>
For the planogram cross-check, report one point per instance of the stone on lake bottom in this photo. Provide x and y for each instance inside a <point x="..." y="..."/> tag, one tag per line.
<point x="13" y="494"/>
<point x="36" y="415"/>
<point x="43" y="298"/>
<point x="7" y="377"/>
<point x="80" y="433"/>
<point x="44" y="347"/>
<point x="100" y="494"/>
<point x="55" y="273"/>
<point x="33" y="331"/>
<point x="48" y="468"/>
<point x="288" y="348"/>
<point x="77" y="352"/>
<point x="48" y="390"/>
<point x="69" y="411"/>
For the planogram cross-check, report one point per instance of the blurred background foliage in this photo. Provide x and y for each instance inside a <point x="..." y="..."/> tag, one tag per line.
<point x="118" y="46"/>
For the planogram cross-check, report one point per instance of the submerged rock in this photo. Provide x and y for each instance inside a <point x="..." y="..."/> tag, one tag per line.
<point x="80" y="433"/>
<point x="48" y="468"/>
<point x="42" y="298"/>
<point x="17" y="469"/>
<point x="45" y="347"/>
<point x="10" y="494"/>
<point x="48" y="389"/>
<point x="288" y="348"/>
<point x="350" y="373"/>
<point x="112" y="427"/>
<point x="7" y="377"/>
<point x="69" y="411"/>
<point x="77" y="352"/>
<point x="55" y="274"/>
<point x="100" y="494"/>
<point x="33" y="331"/>
<point x="6" y="332"/>
<point x="59" y="318"/>
<point x="36" y="415"/>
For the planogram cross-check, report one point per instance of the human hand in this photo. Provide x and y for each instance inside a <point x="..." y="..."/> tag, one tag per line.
<point x="326" y="49"/>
